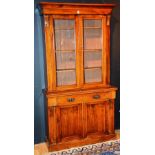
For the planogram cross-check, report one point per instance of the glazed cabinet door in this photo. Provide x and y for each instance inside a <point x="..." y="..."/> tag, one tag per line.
<point x="92" y="50"/>
<point x="65" y="51"/>
<point x="93" y="34"/>
<point x="61" y="52"/>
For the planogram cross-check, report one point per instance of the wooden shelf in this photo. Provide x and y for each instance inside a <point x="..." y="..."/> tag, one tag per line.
<point x="93" y="50"/>
<point x="64" y="29"/>
<point x="92" y="27"/>
<point x="87" y="50"/>
<point x="65" y="50"/>
<point x="93" y="67"/>
<point x="66" y="69"/>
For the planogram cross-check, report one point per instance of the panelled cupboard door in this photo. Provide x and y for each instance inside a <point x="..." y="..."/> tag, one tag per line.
<point x="95" y="116"/>
<point x="99" y="118"/>
<point x="64" y="71"/>
<point x="69" y="122"/>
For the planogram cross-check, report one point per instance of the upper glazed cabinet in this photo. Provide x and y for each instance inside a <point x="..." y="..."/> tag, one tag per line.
<point x="77" y="46"/>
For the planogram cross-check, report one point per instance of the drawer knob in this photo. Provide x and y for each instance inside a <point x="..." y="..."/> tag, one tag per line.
<point x="71" y="99"/>
<point x="96" y="96"/>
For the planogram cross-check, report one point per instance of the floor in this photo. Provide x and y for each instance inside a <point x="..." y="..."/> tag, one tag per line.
<point x="41" y="149"/>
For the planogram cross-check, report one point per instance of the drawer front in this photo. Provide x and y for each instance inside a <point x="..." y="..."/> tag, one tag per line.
<point x="94" y="97"/>
<point x="64" y="100"/>
<point x="69" y="99"/>
<point x="80" y="98"/>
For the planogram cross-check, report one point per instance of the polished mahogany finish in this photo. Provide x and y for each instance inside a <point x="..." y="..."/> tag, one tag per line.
<point x="80" y="99"/>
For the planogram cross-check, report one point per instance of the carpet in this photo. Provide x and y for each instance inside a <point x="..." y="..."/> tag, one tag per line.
<point x="104" y="148"/>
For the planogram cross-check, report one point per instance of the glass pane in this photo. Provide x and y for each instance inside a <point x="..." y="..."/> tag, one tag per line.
<point x="65" y="51"/>
<point x="93" y="75"/>
<point x="66" y="77"/>
<point x="92" y="59"/>
<point x="92" y="23"/>
<point x="92" y="38"/>
<point x="65" y="60"/>
<point x="64" y="24"/>
<point x="64" y="39"/>
<point x="93" y="50"/>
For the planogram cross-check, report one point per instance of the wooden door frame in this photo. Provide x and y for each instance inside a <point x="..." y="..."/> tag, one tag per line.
<point x="105" y="51"/>
<point x="73" y="86"/>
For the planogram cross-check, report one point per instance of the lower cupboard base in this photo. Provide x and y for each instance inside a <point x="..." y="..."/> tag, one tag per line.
<point x="80" y="142"/>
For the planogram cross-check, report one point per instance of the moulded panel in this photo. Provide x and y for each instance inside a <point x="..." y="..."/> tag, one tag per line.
<point x="70" y="121"/>
<point x="66" y="77"/>
<point x="68" y="125"/>
<point x="96" y="118"/>
<point x="93" y="75"/>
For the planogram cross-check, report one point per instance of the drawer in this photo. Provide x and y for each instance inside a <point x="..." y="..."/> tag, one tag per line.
<point x="80" y="98"/>
<point x="70" y="99"/>
<point x="99" y="97"/>
<point x="65" y="100"/>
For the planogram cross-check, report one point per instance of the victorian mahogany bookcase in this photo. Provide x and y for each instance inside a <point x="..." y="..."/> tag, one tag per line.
<point x="80" y="99"/>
